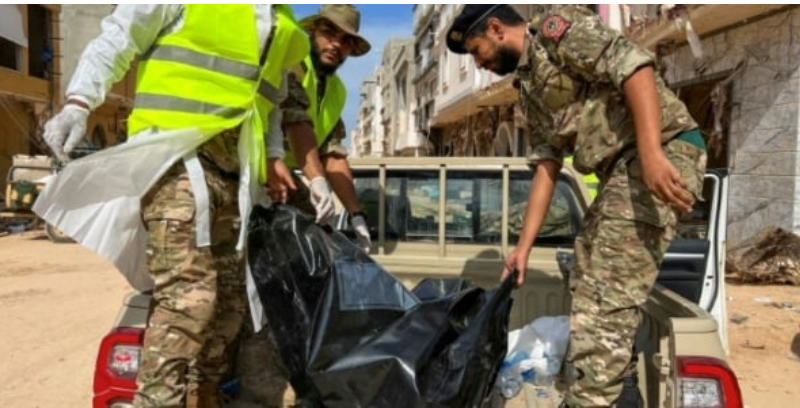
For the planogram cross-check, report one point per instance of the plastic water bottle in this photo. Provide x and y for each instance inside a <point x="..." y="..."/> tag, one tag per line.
<point x="510" y="378"/>
<point x="546" y="373"/>
<point x="510" y="386"/>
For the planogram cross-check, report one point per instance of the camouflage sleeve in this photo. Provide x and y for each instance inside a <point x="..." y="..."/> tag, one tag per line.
<point x="334" y="146"/>
<point x="540" y="139"/>
<point x="541" y="150"/>
<point x="578" y="38"/>
<point x="295" y="106"/>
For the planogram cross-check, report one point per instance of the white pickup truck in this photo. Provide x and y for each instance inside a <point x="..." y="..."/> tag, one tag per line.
<point x="448" y="217"/>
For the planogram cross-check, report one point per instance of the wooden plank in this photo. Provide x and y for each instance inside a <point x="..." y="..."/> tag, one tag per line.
<point x="55" y="36"/>
<point x="22" y="53"/>
<point x="9" y="214"/>
<point x="55" y="8"/>
<point x="29" y="88"/>
<point x="706" y="19"/>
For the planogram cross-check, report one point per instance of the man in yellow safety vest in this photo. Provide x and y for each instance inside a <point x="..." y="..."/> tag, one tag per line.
<point x="334" y="37"/>
<point x="167" y="207"/>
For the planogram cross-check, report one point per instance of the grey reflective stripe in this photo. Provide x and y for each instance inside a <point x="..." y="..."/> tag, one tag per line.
<point x="190" y="57"/>
<point x="173" y="103"/>
<point x="268" y="91"/>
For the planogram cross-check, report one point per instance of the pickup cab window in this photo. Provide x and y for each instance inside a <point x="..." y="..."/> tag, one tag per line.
<point x="473" y="206"/>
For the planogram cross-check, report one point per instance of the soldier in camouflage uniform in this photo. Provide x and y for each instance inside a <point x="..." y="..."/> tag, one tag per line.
<point x="199" y="291"/>
<point x="590" y="92"/>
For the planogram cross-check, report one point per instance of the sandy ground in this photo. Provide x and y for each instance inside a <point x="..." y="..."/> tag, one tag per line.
<point x="58" y="300"/>
<point x="760" y="355"/>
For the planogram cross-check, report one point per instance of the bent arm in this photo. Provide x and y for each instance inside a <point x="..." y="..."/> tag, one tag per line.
<point x="130" y="30"/>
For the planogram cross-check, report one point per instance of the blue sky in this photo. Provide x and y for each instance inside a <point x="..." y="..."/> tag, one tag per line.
<point x="378" y="24"/>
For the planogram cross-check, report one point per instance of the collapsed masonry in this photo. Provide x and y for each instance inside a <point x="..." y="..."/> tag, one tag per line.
<point x="771" y="256"/>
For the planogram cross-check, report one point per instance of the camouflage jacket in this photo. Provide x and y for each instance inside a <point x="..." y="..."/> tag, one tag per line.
<point x="570" y="78"/>
<point x="295" y="109"/>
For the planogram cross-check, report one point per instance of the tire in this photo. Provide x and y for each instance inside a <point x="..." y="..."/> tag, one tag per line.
<point x="56" y="235"/>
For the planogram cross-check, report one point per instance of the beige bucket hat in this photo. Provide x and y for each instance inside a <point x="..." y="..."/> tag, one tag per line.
<point x="344" y="16"/>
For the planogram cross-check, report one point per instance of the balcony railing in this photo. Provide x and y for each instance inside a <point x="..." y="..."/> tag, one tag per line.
<point x="422" y="69"/>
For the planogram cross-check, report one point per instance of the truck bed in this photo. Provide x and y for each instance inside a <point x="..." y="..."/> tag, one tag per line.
<point x="680" y="353"/>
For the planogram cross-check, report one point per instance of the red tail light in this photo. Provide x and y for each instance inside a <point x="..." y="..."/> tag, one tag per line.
<point x="116" y="367"/>
<point x="707" y="382"/>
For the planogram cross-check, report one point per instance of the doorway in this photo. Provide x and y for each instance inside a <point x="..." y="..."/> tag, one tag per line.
<point x="708" y="100"/>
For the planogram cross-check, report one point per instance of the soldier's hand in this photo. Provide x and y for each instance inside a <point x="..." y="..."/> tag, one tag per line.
<point x="322" y="199"/>
<point x="279" y="180"/>
<point x="65" y="130"/>
<point x="516" y="259"/>
<point x="666" y="183"/>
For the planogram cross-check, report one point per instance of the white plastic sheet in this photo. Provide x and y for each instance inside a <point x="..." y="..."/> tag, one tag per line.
<point x="535" y="354"/>
<point x="95" y="200"/>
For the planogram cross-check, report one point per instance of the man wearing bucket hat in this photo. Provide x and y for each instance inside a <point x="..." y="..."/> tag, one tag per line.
<point x="317" y="97"/>
<point x="589" y="92"/>
<point x="334" y="37"/>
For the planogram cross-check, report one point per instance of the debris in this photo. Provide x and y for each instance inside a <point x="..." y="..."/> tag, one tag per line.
<point x="16" y="229"/>
<point x="763" y="300"/>
<point x="757" y="346"/>
<point x="784" y="305"/>
<point x="738" y="319"/>
<point x="770" y="257"/>
<point x="795" y="347"/>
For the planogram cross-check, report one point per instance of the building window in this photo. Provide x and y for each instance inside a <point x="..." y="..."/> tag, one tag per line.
<point x="40" y="47"/>
<point x="8" y="54"/>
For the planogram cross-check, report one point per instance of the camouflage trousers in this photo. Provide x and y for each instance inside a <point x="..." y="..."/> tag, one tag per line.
<point x="618" y="254"/>
<point x="199" y="297"/>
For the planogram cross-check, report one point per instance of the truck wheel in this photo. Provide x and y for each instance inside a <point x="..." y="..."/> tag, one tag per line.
<point x="56" y="235"/>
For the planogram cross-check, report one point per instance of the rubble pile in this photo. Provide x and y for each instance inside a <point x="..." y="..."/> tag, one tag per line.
<point x="770" y="257"/>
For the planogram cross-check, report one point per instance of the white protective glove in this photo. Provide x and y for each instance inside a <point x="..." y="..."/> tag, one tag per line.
<point x="361" y="229"/>
<point x="69" y="125"/>
<point x="321" y="199"/>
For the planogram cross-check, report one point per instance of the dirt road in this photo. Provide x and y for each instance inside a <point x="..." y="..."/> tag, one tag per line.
<point x="58" y="300"/>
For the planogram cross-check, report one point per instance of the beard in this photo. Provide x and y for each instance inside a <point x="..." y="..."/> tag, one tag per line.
<point x="321" y="66"/>
<point x="506" y="60"/>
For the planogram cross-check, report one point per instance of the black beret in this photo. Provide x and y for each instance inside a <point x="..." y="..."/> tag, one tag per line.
<point x="464" y="23"/>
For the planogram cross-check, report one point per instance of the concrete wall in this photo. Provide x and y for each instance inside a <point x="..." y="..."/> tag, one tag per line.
<point x="80" y="25"/>
<point x="763" y="143"/>
<point x="397" y="57"/>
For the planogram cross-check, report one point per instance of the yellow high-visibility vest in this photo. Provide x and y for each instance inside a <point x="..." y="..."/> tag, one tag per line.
<point x="207" y="75"/>
<point x="326" y="114"/>
<point x="591" y="180"/>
